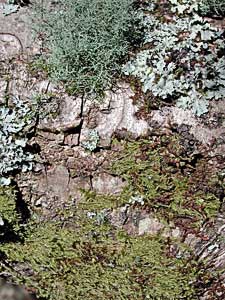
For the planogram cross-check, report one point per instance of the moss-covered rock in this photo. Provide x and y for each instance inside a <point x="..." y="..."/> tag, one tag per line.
<point x="83" y="260"/>
<point x="9" y="216"/>
<point x="84" y="257"/>
<point x="170" y="184"/>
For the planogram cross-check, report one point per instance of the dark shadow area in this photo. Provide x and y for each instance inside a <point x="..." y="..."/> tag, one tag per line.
<point x="21" y="206"/>
<point x="8" y="234"/>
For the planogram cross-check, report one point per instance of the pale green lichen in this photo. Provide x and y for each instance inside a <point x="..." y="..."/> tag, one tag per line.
<point x="183" y="60"/>
<point x="16" y="118"/>
<point x="92" y="140"/>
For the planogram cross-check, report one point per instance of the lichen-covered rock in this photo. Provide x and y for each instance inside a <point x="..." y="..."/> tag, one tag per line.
<point x="149" y="225"/>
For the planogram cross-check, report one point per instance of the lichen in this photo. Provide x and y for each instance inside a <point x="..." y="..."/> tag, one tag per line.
<point x="16" y="119"/>
<point x="182" y="56"/>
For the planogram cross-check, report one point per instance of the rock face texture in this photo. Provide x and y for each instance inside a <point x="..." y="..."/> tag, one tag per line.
<point x="68" y="117"/>
<point x="107" y="184"/>
<point x="119" y="115"/>
<point x="10" y="45"/>
<point x="208" y="131"/>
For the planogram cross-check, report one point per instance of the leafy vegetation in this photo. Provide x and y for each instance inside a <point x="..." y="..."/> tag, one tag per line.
<point x="183" y="57"/>
<point x="86" y="41"/>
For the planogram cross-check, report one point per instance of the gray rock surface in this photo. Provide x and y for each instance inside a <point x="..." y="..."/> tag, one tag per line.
<point x="67" y="119"/>
<point x="118" y="113"/>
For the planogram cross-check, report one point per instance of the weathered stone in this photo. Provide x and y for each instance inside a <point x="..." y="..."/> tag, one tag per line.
<point x="72" y="140"/>
<point x="118" y="216"/>
<point x="18" y="24"/>
<point x="68" y="118"/>
<point x="10" y="45"/>
<point x="105" y="183"/>
<point x="45" y="86"/>
<point x="57" y="138"/>
<point x="118" y="114"/>
<point x="192" y="240"/>
<point x="176" y="232"/>
<point x="3" y="87"/>
<point x="149" y="225"/>
<point x="54" y="184"/>
<point x="168" y="117"/>
<point x="76" y="185"/>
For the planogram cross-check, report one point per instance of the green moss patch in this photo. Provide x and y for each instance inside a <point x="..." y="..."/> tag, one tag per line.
<point x="169" y="182"/>
<point x="82" y="260"/>
<point x="9" y="216"/>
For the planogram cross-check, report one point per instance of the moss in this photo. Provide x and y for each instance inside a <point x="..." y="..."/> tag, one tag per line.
<point x="168" y="181"/>
<point x="8" y="211"/>
<point x="81" y="260"/>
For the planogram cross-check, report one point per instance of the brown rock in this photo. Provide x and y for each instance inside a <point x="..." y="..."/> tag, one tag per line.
<point x="107" y="184"/>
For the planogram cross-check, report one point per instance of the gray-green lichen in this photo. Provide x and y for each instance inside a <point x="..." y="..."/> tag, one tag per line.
<point x="183" y="59"/>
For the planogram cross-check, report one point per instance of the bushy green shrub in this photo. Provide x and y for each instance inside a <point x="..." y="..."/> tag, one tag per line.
<point x="86" y="40"/>
<point x="211" y="7"/>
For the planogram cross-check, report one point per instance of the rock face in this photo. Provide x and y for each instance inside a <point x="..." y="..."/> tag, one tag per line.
<point x="107" y="184"/>
<point x="209" y="132"/>
<point x="120" y="116"/>
<point x="10" y="45"/>
<point x="149" y="225"/>
<point x="54" y="189"/>
<point x="13" y="292"/>
<point x="117" y="112"/>
<point x="68" y="117"/>
<point x="19" y="36"/>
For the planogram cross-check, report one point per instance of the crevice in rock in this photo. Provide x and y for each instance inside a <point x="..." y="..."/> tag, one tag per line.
<point x="79" y="132"/>
<point x="22" y="207"/>
<point x="82" y="106"/>
<point x="91" y="181"/>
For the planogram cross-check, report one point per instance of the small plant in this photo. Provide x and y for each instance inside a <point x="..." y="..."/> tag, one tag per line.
<point x="92" y="140"/>
<point x="9" y="7"/>
<point x="16" y="117"/>
<point x="137" y="199"/>
<point x="169" y="192"/>
<point x="184" y="58"/>
<point x="86" y="40"/>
